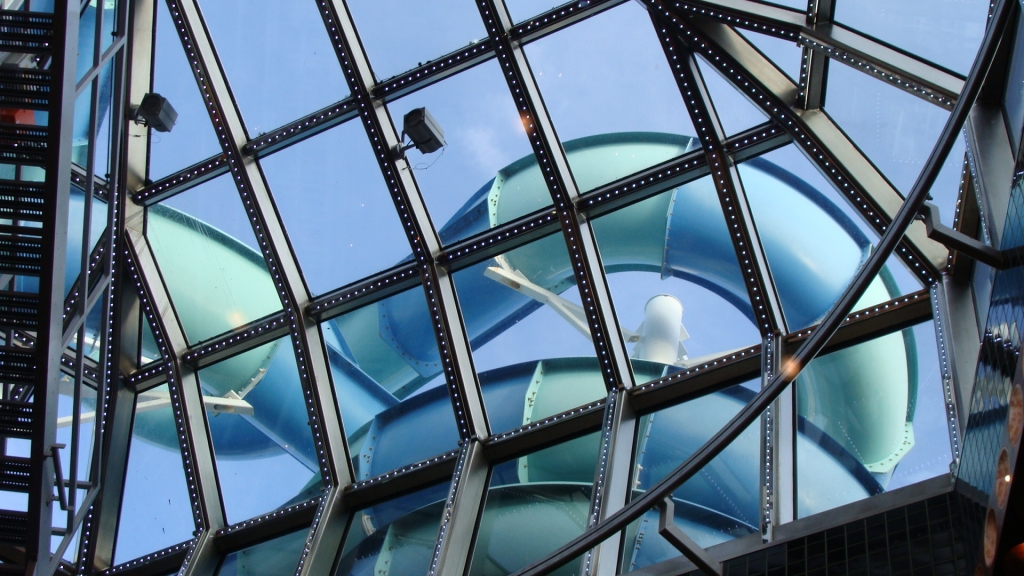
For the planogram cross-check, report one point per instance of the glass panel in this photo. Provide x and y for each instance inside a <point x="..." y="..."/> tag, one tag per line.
<point x="394" y="537"/>
<point x="947" y="32"/>
<point x="946" y="189"/>
<point x="735" y="112"/>
<point x="259" y="425"/>
<point x="207" y="255"/>
<point x="149" y="351"/>
<point x="1013" y="100"/>
<point x="107" y="31"/>
<point x="389" y="384"/>
<point x="86" y="39"/>
<point x="270" y="558"/>
<point x="402" y="34"/>
<point x="858" y="412"/>
<point x="155" y="509"/>
<point x="786" y="56"/>
<point x="340" y="218"/>
<point x="76" y="219"/>
<point x="720" y="503"/>
<point x="278" y="59"/>
<point x="483" y="134"/>
<point x="535" y="504"/>
<point x="80" y="138"/>
<point x="103" y="127"/>
<point x="893" y="128"/>
<point x="529" y="334"/>
<point x="669" y="254"/>
<point x="812" y="264"/>
<point x="619" y="88"/>
<point x="193" y="138"/>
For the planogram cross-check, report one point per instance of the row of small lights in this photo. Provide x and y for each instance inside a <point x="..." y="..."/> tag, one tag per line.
<point x="192" y="356"/>
<point x="212" y="166"/>
<point x="323" y="119"/>
<point x="869" y="68"/>
<point x="392" y="474"/>
<point x="311" y="536"/>
<point x="769" y="438"/>
<point x="72" y="301"/>
<point x="148" y="558"/>
<point x="363" y="289"/>
<point x="791" y="122"/>
<point x="947" y="375"/>
<point x="270" y="516"/>
<point x="173" y="383"/>
<point x="459" y="252"/>
<point x="415" y="235"/>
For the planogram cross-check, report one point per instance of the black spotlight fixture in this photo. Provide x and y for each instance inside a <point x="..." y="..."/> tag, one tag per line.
<point x="426" y="134"/>
<point x="156" y="112"/>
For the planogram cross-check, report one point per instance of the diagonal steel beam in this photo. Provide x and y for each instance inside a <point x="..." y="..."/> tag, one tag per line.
<point x="821" y="140"/>
<point x="750" y="255"/>
<point x="822" y="40"/>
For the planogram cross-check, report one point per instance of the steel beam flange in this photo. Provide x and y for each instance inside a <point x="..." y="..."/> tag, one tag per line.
<point x="583" y="255"/>
<point x="821" y="140"/>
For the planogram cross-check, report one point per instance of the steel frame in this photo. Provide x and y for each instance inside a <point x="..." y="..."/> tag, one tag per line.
<point x="704" y="27"/>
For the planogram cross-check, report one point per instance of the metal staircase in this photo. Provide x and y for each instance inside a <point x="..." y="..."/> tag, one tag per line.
<point x="30" y="80"/>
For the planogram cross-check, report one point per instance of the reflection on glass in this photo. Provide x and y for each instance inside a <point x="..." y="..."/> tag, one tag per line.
<point x="812" y="264"/>
<point x="259" y="426"/>
<point x="722" y="501"/>
<point x="735" y="112"/>
<point x="104" y="102"/>
<point x="80" y="142"/>
<point x="193" y="138"/>
<point x="675" y="280"/>
<point x="895" y="130"/>
<point x="530" y="338"/>
<point x="293" y="54"/>
<point x="394" y="537"/>
<point x="871" y="418"/>
<point x="148" y="524"/>
<point x="86" y="40"/>
<point x="215" y="281"/>
<point x="535" y="504"/>
<point x="786" y="56"/>
<point x="945" y="32"/>
<point x="483" y="133"/>
<point x="270" y="558"/>
<point x="620" y="83"/>
<point x="107" y="31"/>
<point x="340" y="218"/>
<point x="402" y="34"/>
<point x="389" y="384"/>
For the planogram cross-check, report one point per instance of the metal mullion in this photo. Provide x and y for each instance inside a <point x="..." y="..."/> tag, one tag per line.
<point x="238" y="341"/>
<point x="764" y="299"/>
<point x="579" y="238"/>
<point x="814" y="63"/>
<point x="309" y="348"/>
<point x="554" y="166"/>
<point x="186" y="401"/>
<point x="306" y="127"/>
<point x="466" y="495"/>
<point x="131" y="68"/>
<point x="836" y="157"/>
<point x="557" y="18"/>
<point x="453" y="343"/>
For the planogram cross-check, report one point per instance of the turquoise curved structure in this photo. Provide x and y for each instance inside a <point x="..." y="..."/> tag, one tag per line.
<point x="856" y="405"/>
